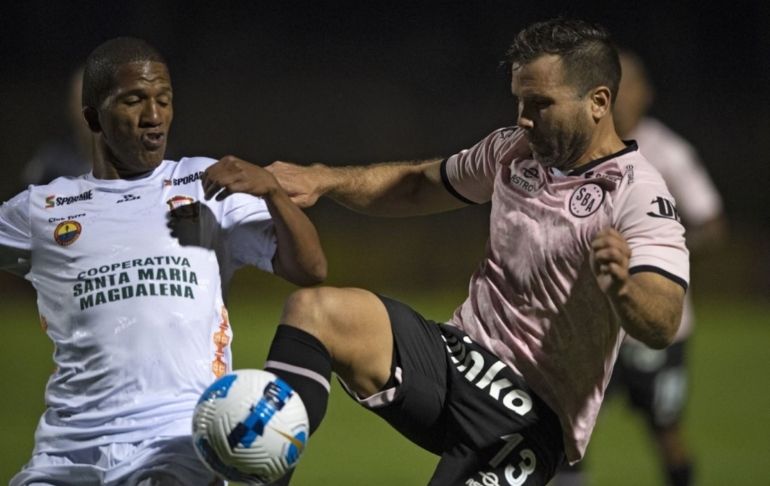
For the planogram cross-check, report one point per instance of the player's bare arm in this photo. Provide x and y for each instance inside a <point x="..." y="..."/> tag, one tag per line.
<point x="650" y="305"/>
<point x="299" y="257"/>
<point x="388" y="189"/>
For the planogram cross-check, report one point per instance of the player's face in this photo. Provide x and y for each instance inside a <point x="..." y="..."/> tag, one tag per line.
<point x="556" y="118"/>
<point x="136" y="116"/>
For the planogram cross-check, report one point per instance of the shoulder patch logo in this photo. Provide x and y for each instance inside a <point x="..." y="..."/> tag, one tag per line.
<point x="664" y="208"/>
<point x="67" y="232"/>
<point x="586" y="200"/>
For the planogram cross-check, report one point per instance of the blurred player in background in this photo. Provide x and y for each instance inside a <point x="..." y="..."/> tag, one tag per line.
<point x="656" y="381"/>
<point x="70" y="155"/>
<point x="577" y="257"/>
<point x="131" y="264"/>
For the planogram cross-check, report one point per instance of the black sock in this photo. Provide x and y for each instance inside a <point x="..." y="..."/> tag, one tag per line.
<point x="303" y="362"/>
<point x="680" y="475"/>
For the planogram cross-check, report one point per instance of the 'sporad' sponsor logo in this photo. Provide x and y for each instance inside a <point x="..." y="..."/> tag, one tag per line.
<point x="53" y="200"/>
<point x="180" y="181"/>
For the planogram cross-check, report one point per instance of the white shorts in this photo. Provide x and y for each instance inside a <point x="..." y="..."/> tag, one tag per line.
<point x="164" y="461"/>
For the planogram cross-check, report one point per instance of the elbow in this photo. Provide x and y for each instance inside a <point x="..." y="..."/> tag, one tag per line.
<point x="663" y="336"/>
<point x="313" y="273"/>
<point x="318" y="271"/>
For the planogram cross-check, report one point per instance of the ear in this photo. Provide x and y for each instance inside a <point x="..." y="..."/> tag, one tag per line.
<point x="92" y="118"/>
<point x="601" y="102"/>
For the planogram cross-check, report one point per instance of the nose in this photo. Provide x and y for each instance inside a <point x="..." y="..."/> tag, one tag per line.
<point x="524" y="120"/>
<point x="151" y="114"/>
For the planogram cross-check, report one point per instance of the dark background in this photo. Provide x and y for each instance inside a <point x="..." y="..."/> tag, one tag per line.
<point x="359" y="82"/>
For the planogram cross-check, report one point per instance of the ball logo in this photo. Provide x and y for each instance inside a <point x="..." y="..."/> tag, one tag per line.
<point x="67" y="232"/>
<point x="586" y="200"/>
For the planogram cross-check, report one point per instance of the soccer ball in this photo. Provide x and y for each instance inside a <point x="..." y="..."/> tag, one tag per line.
<point x="250" y="426"/>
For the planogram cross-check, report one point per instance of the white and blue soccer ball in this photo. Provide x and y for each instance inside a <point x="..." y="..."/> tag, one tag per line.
<point x="250" y="426"/>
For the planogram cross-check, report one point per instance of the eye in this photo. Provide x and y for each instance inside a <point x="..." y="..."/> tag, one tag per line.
<point x="131" y="100"/>
<point x="164" y="100"/>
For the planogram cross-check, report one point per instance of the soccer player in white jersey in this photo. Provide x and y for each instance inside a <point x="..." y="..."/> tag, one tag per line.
<point x="580" y="254"/>
<point x="656" y="380"/>
<point x="131" y="264"/>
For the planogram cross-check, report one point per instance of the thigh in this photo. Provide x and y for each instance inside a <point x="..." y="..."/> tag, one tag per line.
<point x="413" y="400"/>
<point x="353" y="326"/>
<point x="500" y="430"/>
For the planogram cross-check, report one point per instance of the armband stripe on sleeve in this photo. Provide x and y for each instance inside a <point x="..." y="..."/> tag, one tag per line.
<point x="659" y="271"/>
<point x="448" y="185"/>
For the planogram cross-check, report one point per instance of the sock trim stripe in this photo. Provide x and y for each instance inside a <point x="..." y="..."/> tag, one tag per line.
<point x="297" y="370"/>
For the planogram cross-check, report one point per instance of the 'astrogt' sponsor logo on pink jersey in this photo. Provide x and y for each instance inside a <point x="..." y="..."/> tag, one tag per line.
<point x="54" y="201"/>
<point x="527" y="179"/>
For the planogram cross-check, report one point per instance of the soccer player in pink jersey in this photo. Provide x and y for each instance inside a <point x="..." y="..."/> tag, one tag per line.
<point x="585" y="246"/>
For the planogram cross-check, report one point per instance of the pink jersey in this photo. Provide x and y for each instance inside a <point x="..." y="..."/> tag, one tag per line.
<point x="534" y="300"/>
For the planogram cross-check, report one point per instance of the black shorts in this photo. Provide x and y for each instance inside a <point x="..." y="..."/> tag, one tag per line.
<point x="459" y="401"/>
<point x="655" y="381"/>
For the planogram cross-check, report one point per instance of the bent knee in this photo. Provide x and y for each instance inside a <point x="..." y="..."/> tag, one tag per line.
<point x="311" y="309"/>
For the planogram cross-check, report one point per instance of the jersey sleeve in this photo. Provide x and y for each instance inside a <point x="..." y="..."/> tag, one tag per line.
<point x="645" y="214"/>
<point x="250" y="232"/>
<point x="15" y="232"/>
<point x="470" y="174"/>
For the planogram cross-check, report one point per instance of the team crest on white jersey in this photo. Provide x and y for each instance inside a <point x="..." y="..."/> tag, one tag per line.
<point x="67" y="232"/>
<point x="586" y="200"/>
<point x="178" y="201"/>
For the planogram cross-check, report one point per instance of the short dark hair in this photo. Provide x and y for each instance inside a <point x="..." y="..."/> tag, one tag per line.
<point x="104" y="61"/>
<point x="588" y="55"/>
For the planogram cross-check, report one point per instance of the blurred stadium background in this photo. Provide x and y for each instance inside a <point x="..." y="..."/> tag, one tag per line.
<point x="345" y="82"/>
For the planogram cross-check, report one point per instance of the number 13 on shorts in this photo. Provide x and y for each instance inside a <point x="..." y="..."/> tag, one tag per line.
<point x="515" y="474"/>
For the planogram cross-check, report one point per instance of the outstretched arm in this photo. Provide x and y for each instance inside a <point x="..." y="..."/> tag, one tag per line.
<point x="649" y="304"/>
<point x="387" y="189"/>
<point x="299" y="257"/>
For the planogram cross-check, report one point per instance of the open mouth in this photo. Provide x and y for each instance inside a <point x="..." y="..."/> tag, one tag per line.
<point x="153" y="140"/>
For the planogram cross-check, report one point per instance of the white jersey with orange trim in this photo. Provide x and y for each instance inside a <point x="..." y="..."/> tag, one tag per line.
<point x="534" y="300"/>
<point x="697" y="199"/>
<point x="137" y="315"/>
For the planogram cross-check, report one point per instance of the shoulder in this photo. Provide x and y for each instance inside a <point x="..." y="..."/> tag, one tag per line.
<point x="503" y="146"/>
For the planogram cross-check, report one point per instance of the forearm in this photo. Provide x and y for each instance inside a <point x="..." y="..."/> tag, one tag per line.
<point x="650" y="308"/>
<point x="387" y="189"/>
<point x="299" y="258"/>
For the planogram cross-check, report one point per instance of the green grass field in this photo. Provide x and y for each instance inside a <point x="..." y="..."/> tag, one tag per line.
<point x="728" y="420"/>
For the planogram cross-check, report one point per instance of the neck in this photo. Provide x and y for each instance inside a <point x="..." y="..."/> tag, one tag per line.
<point x="605" y="141"/>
